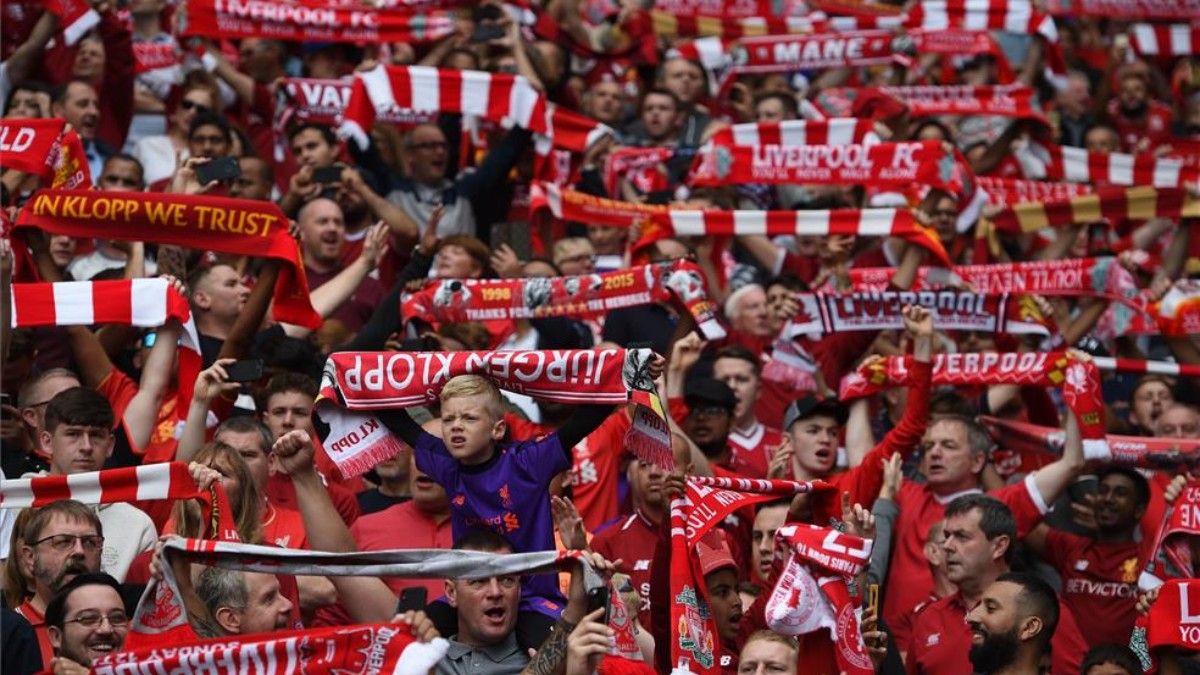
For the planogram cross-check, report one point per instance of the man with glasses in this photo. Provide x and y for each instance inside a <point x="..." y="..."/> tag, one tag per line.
<point x="86" y="620"/>
<point x="59" y="542"/>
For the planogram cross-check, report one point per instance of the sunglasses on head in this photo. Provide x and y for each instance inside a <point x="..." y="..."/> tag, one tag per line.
<point x="192" y="105"/>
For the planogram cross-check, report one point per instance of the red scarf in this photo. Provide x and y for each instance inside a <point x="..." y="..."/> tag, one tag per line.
<point x="1009" y="191"/>
<point x="1012" y="100"/>
<point x="365" y="381"/>
<point x="813" y="593"/>
<point x="824" y="313"/>
<point x="1080" y="382"/>
<point x="45" y="148"/>
<point x="1014" y="16"/>
<point x="151" y="56"/>
<point x="311" y="21"/>
<point x="642" y="167"/>
<point x="1172" y="557"/>
<point x="134" y="302"/>
<point x="75" y="18"/>
<point x="884" y="165"/>
<point x="582" y="297"/>
<point x="237" y="226"/>
<point x="1177" y="39"/>
<point x="1174" y="618"/>
<point x="1113" y="204"/>
<point x="1125" y="10"/>
<point x="832" y="131"/>
<point x="1163" y="454"/>
<point x="695" y="644"/>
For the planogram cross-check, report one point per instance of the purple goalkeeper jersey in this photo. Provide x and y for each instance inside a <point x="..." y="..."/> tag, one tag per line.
<point x="508" y="495"/>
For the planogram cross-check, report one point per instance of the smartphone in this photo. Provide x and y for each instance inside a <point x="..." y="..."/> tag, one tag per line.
<point x="486" y="32"/>
<point x="218" y="168"/>
<point x="328" y="174"/>
<point x="412" y="599"/>
<point x="598" y="598"/>
<point x="5" y="399"/>
<point x="245" y="370"/>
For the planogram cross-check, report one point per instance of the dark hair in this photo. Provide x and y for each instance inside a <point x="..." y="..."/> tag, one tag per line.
<point x="661" y="92"/>
<point x="740" y="352"/>
<point x="268" y="171"/>
<point x="285" y="382"/>
<point x="59" y="94"/>
<point x="787" y="100"/>
<point x="209" y="119"/>
<point x="482" y="540"/>
<point x="1116" y="654"/>
<point x="774" y="503"/>
<point x="1141" y="486"/>
<point x="79" y="406"/>
<point x="125" y="157"/>
<point x="36" y="86"/>
<point x="949" y="403"/>
<point x="995" y="518"/>
<point x="1038" y="599"/>
<point x="460" y="51"/>
<point x="325" y="131"/>
<point x="56" y="609"/>
<point x="246" y="424"/>
<point x="788" y="281"/>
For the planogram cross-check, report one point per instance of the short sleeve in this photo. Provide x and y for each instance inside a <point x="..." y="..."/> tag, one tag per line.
<point x="433" y="458"/>
<point x="1026" y="504"/>
<point x="119" y="389"/>
<point x="544" y="458"/>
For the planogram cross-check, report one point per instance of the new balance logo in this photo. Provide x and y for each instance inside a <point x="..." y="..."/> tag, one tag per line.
<point x="641" y="566"/>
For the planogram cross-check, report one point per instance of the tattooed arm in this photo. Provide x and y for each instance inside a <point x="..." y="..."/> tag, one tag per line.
<point x="551" y="659"/>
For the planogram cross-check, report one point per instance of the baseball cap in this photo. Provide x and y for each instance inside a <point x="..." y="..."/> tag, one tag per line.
<point x="706" y="390"/>
<point x="713" y="552"/>
<point x="811" y="405"/>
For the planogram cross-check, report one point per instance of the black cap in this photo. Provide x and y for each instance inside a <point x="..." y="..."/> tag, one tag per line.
<point x="811" y="405"/>
<point x="705" y="390"/>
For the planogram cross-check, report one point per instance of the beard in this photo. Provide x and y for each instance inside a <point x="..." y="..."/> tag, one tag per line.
<point x="997" y="651"/>
<point x="72" y="568"/>
<point x="1134" y="111"/>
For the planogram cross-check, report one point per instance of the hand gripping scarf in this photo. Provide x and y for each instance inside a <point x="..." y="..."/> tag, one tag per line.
<point x="160" y="623"/>
<point x="825" y="313"/>
<point x="813" y="591"/>
<point x="46" y="149"/>
<point x="237" y="226"/>
<point x="881" y="165"/>
<point x="660" y="221"/>
<point x="1173" y="621"/>
<point x="146" y="303"/>
<point x="583" y="297"/>
<point x="355" y="382"/>
<point x="1079" y="380"/>
<point x="695" y="645"/>
<point x="311" y="21"/>
<point x="1161" y="454"/>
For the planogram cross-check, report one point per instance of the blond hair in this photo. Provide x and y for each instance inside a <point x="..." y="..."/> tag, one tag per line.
<point x="564" y="246"/>
<point x="474" y="385"/>
<point x="772" y="636"/>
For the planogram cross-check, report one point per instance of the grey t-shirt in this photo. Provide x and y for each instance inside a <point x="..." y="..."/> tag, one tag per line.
<point x="505" y="658"/>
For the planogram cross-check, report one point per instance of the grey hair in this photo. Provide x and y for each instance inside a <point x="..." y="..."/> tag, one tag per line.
<point x="242" y="424"/>
<point x="26" y="394"/>
<point x="219" y="588"/>
<point x="978" y="439"/>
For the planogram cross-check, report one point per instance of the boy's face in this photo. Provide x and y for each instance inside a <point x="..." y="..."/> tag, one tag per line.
<point x="469" y="430"/>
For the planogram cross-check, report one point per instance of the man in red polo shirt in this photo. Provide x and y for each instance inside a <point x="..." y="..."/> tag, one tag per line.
<point x="980" y="534"/>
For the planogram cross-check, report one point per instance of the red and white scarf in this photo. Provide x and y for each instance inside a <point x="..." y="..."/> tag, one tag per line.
<point x="1125" y="10"/>
<point x="146" y="303"/>
<point x="832" y="131"/>
<point x="1113" y="204"/>
<point x="1009" y="191"/>
<point x="826" y="313"/>
<point x="813" y="589"/>
<point x="881" y="165"/>
<point x="1014" y="16"/>
<point x="1162" y="454"/>
<point x="75" y="18"/>
<point x="695" y="643"/>
<point x="311" y="21"/>
<point x="1176" y="39"/>
<point x="238" y="226"/>
<point x="1010" y="100"/>
<point x="496" y="97"/>
<point x="583" y="297"/>
<point x="323" y="101"/>
<point x="355" y="383"/>
<point x="1077" y="165"/>
<point x="785" y="53"/>
<point x="1079" y="380"/>
<point x="1172" y="555"/>
<point x="158" y="56"/>
<point x="642" y="167"/>
<point x="161" y="622"/>
<point x="47" y="149"/>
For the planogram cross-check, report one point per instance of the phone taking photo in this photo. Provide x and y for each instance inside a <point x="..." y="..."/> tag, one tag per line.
<point x="245" y="370"/>
<point x="219" y="169"/>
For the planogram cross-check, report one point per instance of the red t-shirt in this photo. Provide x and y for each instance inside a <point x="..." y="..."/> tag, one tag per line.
<point x="120" y="389"/>
<point x="941" y="641"/>
<point x="281" y="492"/>
<point x="596" y="470"/>
<point x="752" y="450"/>
<point x="1098" y="580"/>
<point x="402" y="526"/>
<point x="1155" y="128"/>
<point x="911" y="581"/>
<point x="632" y="540"/>
<point x="283" y="527"/>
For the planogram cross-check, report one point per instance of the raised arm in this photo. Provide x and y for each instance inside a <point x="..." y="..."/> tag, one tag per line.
<point x="29" y="53"/>
<point x="339" y="289"/>
<point x="141" y="415"/>
<point x="241" y="336"/>
<point x="1052" y="479"/>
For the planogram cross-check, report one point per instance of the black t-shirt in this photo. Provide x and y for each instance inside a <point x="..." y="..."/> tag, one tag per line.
<point x="21" y="653"/>
<point x="373" y="501"/>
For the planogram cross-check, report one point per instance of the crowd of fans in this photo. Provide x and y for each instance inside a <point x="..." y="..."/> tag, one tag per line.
<point x="986" y="558"/>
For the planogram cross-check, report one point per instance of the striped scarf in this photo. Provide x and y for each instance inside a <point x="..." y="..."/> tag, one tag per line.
<point x="1176" y="39"/>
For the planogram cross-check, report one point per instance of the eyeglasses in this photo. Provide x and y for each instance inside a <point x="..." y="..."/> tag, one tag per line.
<point x="66" y="542"/>
<point x="708" y="411"/>
<point x="428" y="145"/>
<point x="92" y="620"/>
<point x="192" y="105"/>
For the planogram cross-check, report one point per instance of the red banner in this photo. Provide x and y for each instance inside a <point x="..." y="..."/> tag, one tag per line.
<point x="45" y="148"/>
<point x="311" y="21"/>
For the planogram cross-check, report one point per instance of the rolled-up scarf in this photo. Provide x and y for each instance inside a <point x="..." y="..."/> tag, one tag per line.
<point x="357" y="382"/>
<point x="238" y="226"/>
<point x="1147" y="452"/>
<point x="582" y="297"/>
<point x="813" y="593"/>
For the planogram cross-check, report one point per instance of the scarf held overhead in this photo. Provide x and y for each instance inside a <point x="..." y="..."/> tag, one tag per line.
<point x="237" y="226"/>
<point x="824" y="313"/>
<point x="582" y="297"/>
<point x="1161" y="454"/>
<point x="45" y="148"/>
<point x="311" y="21"/>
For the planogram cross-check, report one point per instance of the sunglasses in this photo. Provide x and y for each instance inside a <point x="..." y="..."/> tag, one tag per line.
<point x="192" y="105"/>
